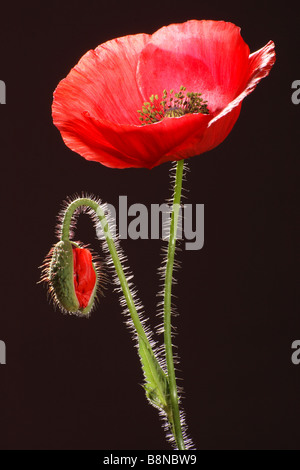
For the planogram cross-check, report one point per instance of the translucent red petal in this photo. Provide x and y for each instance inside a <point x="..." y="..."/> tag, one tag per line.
<point x="84" y="275"/>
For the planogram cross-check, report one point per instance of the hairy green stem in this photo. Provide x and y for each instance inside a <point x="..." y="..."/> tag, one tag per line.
<point x="113" y="253"/>
<point x="172" y="407"/>
<point x="176" y="425"/>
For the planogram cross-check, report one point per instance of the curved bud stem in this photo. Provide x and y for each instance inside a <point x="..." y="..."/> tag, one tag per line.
<point x="85" y="202"/>
<point x="160" y="387"/>
<point x="177" y="431"/>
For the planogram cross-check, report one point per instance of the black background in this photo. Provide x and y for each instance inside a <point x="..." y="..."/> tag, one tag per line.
<point x="71" y="383"/>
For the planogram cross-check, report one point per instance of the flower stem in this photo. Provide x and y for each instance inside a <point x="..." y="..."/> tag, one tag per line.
<point x="176" y="423"/>
<point x="114" y="255"/>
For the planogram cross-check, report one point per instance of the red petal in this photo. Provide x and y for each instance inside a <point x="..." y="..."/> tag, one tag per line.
<point x="204" y="141"/>
<point x="84" y="275"/>
<point x="259" y="66"/>
<point x="209" y="57"/>
<point x="103" y="83"/>
<point x="141" y="146"/>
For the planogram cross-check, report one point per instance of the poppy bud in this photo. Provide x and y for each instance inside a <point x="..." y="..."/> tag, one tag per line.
<point x="72" y="277"/>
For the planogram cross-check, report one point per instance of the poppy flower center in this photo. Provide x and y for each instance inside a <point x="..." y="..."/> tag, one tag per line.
<point x="172" y="105"/>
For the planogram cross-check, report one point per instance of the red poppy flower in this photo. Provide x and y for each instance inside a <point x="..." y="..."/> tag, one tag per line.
<point x="96" y="106"/>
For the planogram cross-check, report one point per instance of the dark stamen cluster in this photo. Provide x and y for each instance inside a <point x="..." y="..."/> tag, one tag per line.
<point x="174" y="105"/>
